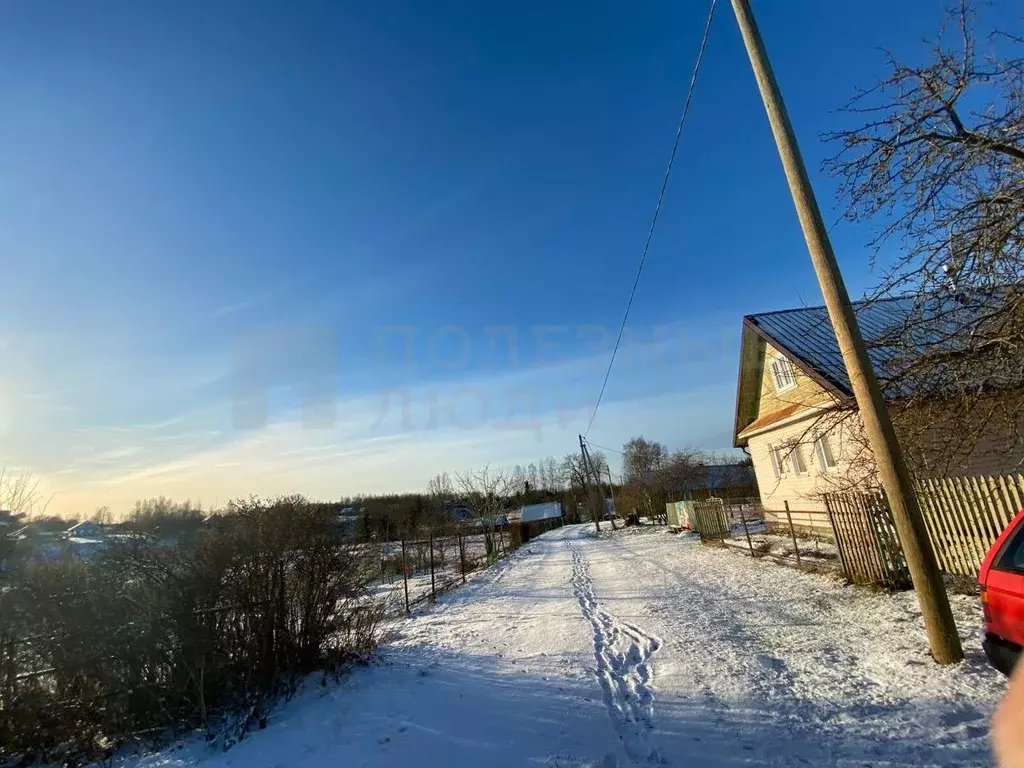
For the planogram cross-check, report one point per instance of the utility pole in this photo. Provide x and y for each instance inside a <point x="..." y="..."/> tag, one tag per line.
<point x="588" y="470"/>
<point x="938" y="618"/>
<point x="611" y="494"/>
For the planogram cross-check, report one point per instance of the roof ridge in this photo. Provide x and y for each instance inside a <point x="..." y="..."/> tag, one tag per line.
<point x="855" y="304"/>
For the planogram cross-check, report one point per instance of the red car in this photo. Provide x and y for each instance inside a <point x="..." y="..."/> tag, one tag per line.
<point x="1002" y="597"/>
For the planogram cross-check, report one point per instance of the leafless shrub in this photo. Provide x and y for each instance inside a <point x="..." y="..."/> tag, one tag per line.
<point x="152" y="636"/>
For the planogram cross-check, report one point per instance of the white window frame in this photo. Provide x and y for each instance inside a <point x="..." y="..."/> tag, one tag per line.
<point x="783" y="373"/>
<point x="787" y="459"/>
<point x="823" y="452"/>
<point x="776" y="459"/>
<point x="797" y="460"/>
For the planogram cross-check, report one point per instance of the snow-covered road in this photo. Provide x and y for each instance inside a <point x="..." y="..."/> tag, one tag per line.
<point x="641" y="648"/>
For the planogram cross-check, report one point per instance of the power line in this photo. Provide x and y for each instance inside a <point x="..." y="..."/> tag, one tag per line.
<point x="657" y="208"/>
<point x="602" y="447"/>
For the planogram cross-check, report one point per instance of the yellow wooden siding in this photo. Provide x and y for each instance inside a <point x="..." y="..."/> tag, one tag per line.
<point x="807" y="391"/>
<point x="804" y="492"/>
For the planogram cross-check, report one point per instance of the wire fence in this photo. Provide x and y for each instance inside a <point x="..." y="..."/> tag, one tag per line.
<point x="417" y="568"/>
<point x="803" y="537"/>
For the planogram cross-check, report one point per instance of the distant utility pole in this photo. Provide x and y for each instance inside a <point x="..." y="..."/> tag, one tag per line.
<point x="588" y="470"/>
<point x="611" y="494"/>
<point x="938" y="618"/>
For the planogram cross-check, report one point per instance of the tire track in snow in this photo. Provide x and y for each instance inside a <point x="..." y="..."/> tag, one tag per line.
<point x="623" y="653"/>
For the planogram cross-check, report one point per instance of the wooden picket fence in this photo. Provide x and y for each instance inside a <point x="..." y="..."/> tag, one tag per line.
<point x="965" y="515"/>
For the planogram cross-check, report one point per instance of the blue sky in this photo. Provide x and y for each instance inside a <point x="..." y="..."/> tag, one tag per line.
<point x="256" y="247"/>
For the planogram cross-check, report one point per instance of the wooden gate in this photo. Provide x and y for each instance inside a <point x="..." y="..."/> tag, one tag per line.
<point x="710" y="520"/>
<point x="866" y="537"/>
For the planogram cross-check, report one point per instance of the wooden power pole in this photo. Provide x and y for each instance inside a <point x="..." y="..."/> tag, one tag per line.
<point x="588" y="470"/>
<point x="938" y="618"/>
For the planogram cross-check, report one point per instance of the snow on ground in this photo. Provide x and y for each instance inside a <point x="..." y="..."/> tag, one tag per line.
<point x="640" y="648"/>
<point x="813" y="551"/>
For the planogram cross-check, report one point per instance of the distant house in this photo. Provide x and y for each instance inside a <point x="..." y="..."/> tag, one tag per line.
<point x="87" y="529"/>
<point x="535" y="519"/>
<point x="40" y="543"/>
<point x="549" y="510"/>
<point x="722" y="476"/>
<point x="34" y="532"/>
<point x="458" y="512"/>
<point x="795" y="412"/>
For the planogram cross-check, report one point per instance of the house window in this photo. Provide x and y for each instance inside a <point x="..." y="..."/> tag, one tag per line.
<point x="782" y="374"/>
<point x="826" y="460"/>
<point x="787" y="459"/>
<point x="797" y="458"/>
<point x="776" y="462"/>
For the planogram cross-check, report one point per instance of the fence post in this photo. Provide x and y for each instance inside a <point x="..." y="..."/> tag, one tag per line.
<point x="462" y="555"/>
<point x="405" y="576"/>
<point x="433" y="594"/>
<point x="746" y="531"/>
<point x="792" y="533"/>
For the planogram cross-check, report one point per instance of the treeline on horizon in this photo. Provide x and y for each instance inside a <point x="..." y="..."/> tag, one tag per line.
<point x="646" y="465"/>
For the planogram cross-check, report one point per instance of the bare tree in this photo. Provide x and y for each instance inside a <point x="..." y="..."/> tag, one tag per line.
<point x="487" y="491"/>
<point x="641" y="458"/>
<point x="684" y="470"/>
<point x="442" y="495"/>
<point x="20" y="493"/>
<point x="937" y="155"/>
<point x="574" y="479"/>
<point x="441" y="490"/>
<point x="534" y="472"/>
<point x="102" y="516"/>
<point x="552" y="476"/>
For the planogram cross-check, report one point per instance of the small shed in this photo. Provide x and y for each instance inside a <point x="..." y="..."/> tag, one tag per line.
<point x="549" y="510"/>
<point x="535" y="519"/>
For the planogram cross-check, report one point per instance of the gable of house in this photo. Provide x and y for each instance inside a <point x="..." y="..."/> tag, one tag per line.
<point x="86" y="528"/>
<point x="773" y="388"/>
<point x="780" y="399"/>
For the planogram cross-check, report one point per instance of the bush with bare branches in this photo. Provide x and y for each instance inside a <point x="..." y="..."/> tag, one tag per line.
<point x="148" y="638"/>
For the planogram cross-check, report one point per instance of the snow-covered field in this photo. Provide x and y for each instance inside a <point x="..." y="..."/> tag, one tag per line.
<point x="640" y="648"/>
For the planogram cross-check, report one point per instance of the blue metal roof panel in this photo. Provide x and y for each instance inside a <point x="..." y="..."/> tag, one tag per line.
<point x="894" y="330"/>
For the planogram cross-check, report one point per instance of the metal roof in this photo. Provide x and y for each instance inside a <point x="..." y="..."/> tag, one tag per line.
<point x="895" y="330"/>
<point x="546" y="511"/>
